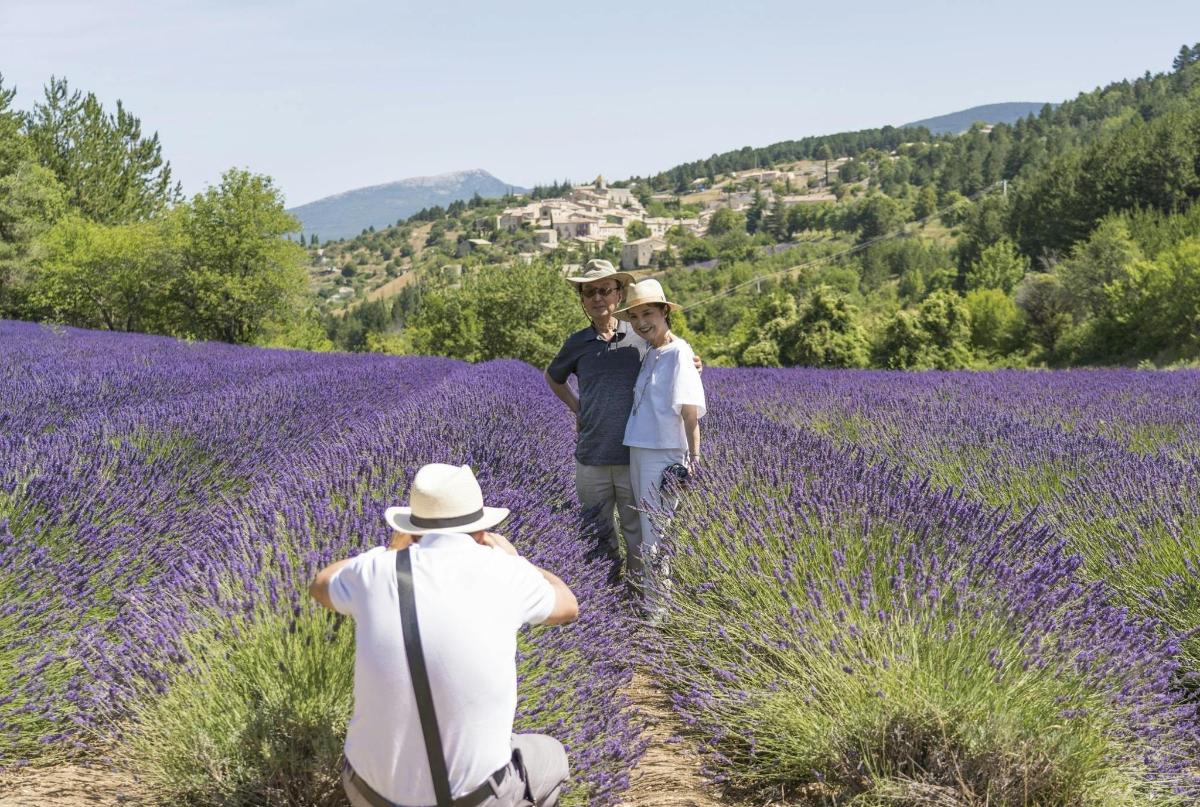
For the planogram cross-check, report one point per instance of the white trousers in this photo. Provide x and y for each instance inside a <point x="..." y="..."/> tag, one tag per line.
<point x="646" y="466"/>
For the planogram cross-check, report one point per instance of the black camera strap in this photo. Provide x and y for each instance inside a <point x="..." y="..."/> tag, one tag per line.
<point x="420" y="679"/>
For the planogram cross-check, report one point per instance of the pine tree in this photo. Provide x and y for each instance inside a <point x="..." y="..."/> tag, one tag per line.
<point x="111" y="172"/>
<point x="1187" y="56"/>
<point x="777" y="221"/>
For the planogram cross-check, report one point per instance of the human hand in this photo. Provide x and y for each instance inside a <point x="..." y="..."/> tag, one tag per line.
<point x="400" y="540"/>
<point x="496" y="541"/>
<point x="698" y="364"/>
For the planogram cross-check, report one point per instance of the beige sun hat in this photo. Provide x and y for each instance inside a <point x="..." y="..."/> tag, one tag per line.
<point x="600" y="269"/>
<point x="444" y="498"/>
<point x="647" y="291"/>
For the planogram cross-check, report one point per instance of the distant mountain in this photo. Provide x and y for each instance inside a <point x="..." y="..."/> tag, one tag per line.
<point x="957" y="122"/>
<point x="349" y="213"/>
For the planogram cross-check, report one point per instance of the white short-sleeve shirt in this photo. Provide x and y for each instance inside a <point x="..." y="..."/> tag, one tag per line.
<point x="666" y="383"/>
<point x="471" y="600"/>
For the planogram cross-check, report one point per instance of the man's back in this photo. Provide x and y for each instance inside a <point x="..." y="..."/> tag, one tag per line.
<point x="471" y="600"/>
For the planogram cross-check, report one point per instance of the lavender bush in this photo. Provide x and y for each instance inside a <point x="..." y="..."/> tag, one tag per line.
<point x="921" y="588"/>
<point x="164" y="543"/>
<point x="841" y="628"/>
<point x="1110" y="459"/>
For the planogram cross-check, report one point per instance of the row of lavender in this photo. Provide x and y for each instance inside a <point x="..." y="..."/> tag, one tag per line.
<point x="842" y="624"/>
<point x="1110" y="459"/>
<point x="153" y="492"/>
<point x="942" y="588"/>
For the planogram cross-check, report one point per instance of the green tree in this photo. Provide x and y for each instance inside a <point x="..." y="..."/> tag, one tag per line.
<point x="777" y="223"/>
<point x="1186" y="56"/>
<point x="31" y="201"/>
<point x="111" y="172"/>
<point x="825" y="333"/>
<point x="446" y="325"/>
<point x="1153" y="310"/>
<point x="237" y="273"/>
<point x="725" y="220"/>
<point x="983" y="226"/>
<point x="935" y="336"/>
<point x="825" y="154"/>
<point x="519" y="311"/>
<point x="926" y="204"/>
<point x="1046" y="308"/>
<point x="770" y="319"/>
<point x="878" y="216"/>
<point x="14" y="147"/>
<point x="995" y="321"/>
<point x="635" y="230"/>
<point x="1094" y="264"/>
<point x="755" y="213"/>
<point x="114" y="277"/>
<point x="1000" y="266"/>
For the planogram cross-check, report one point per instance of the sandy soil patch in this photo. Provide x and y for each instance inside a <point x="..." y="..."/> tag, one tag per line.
<point x="74" y="785"/>
<point x="392" y="287"/>
<point x="668" y="774"/>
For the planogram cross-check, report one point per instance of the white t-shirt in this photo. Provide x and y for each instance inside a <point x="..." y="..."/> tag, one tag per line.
<point x="666" y="383"/>
<point x="471" y="600"/>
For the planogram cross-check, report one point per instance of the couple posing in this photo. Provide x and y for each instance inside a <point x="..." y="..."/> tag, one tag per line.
<point x="637" y="411"/>
<point x="437" y="611"/>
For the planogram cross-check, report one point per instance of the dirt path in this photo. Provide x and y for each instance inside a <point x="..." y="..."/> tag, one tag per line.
<point x="70" y="786"/>
<point x="668" y="775"/>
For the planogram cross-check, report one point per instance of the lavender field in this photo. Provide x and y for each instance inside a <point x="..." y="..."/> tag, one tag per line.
<point x="887" y="588"/>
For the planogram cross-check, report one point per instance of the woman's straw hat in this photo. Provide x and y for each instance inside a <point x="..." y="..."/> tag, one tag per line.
<point x="646" y="291"/>
<point x="444" y="498"/>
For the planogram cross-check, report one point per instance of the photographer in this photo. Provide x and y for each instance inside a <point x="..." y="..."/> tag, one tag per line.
<point x="435" y="696"/>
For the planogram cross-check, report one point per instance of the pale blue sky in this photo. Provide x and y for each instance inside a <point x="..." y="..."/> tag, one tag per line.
<point x="331" y="96"/>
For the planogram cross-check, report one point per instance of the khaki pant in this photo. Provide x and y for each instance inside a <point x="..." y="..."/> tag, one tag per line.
<point x="536" y="775"/>
<point x="601" y="489"/>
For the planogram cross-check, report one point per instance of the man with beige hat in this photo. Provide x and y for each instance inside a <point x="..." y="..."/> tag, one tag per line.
<point x="604" y="358"/>
<point x="435" y="696"/>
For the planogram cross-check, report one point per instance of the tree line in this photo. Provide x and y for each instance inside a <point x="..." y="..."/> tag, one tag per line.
<point x="95" y="232"/>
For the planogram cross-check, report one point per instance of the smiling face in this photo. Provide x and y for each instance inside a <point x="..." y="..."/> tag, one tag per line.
<point x="600" y="298"/>
<point x="649" y="321"/>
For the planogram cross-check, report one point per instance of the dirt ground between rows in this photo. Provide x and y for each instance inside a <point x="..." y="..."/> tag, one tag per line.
<point x="667" y="775"/>
<point x="75" y="785"/>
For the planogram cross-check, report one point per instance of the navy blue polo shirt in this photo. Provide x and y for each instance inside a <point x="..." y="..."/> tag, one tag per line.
<point x="607" y="372"/>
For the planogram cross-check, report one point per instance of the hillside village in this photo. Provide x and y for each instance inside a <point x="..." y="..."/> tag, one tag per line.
<point x="591" y="214"/>
<point x="584" y="221"/>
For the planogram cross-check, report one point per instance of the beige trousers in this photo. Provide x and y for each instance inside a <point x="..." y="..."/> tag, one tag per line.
<point x="536" y="775"/>
<point x="603" y="489"/>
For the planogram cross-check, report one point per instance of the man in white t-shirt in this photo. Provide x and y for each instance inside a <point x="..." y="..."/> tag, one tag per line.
<point x="473" y="591"/>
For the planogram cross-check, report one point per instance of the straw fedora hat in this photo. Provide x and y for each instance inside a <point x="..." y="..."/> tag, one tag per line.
<point x="600" y="269"/>
<point x="444" y="498"/>
<point x="647" y="291"/>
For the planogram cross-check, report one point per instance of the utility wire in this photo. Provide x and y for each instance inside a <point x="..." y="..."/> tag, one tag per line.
<point x="844" y="253"/>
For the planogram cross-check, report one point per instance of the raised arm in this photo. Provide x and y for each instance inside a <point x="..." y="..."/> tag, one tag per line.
<point x="318" y="589"/>
<point x="566" y="607"/>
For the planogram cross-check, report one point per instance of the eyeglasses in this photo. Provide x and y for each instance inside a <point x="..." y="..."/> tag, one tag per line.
<point x="593" y="292"/>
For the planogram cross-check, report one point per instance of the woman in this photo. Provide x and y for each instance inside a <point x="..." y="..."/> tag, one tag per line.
<point x="668" y="401"/>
